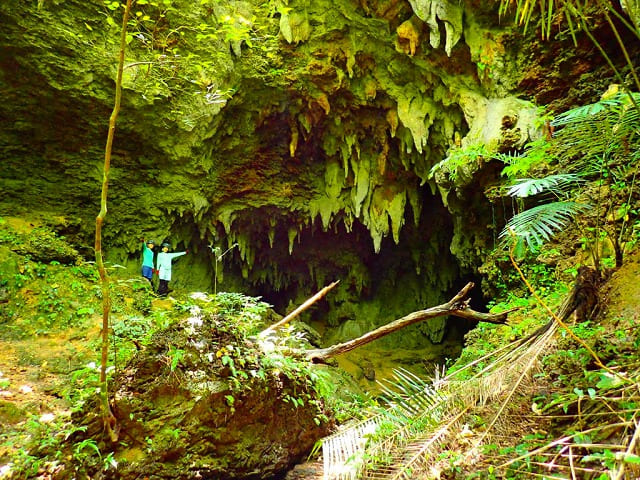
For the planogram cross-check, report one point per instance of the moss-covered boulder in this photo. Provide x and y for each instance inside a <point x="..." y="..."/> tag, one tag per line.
<point x="202" y="400"/>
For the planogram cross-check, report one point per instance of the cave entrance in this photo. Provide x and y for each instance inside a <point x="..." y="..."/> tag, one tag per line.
<point x="375" y="288"/>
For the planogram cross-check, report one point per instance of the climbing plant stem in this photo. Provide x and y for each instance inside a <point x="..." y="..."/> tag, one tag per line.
<point x="109" y="421"/>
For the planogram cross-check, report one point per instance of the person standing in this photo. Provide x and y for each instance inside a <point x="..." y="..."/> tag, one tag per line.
<point x="164" y="267"/>
<point x="147" y="259"/>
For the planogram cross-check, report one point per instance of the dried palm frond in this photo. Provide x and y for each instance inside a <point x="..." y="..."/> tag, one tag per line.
<point x="412" y="404"/>
<point x="342" y="451"/>
<point x="409" y="394"/>
<point x="403" y="440"/>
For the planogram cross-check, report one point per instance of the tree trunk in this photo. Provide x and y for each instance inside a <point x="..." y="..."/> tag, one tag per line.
<point x="458" y="306"/>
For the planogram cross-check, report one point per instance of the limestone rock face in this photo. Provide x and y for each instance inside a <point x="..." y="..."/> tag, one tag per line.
<point x="298" y="138"/>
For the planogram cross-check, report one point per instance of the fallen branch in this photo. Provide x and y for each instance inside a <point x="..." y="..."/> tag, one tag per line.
<point x="458" y="306"/>
<point x="299" y="310"/>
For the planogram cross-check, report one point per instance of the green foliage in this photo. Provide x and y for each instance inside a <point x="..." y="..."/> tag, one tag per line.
<point x="80" y="448"/>
<point x="600" y="136"/>
<point x="556" y="184"/>
<point x="175" y="356"/>
<point x="535" y="154"/>
<point x="458" y="159"/>
<point x="40" y="244"/>
<point x="601" y="140"/>
<point x="593" y="141"/>
<point x="538" y="224"/>
<point x="184" y="53"/>
<point x="247" y="312"/>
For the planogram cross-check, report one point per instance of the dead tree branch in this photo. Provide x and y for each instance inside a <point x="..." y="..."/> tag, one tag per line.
<point x="457" y="306"/>
<point x="300" y="309"/>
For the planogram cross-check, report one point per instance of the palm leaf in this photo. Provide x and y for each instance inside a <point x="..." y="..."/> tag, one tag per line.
<point x="411" y="402"/>
<point x="410" y="454"/>
<point x="557" y="184"/>
<point x="592" y="142"/>
<point x="408" y="393"/>
<point x="580" y="114"/>
<point x="538" y="224"/>
<point x="616" y="105"/>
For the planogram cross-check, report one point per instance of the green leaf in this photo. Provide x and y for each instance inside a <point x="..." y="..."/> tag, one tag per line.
<point x="538" y="224"/>
<point x="553" y="183"/>
<point x="608" y="381"/>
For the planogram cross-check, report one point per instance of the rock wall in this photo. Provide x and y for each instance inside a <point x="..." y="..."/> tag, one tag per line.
<point x="298" y="134"/>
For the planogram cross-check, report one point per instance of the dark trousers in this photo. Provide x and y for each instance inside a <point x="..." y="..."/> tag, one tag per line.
<point x="163" y="287"/>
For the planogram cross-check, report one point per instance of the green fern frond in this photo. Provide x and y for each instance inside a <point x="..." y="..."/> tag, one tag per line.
<point x="538" y="224"/>
<point x="520" y="163"/>
<point x="580" y="114"/>
<point x="558" y="184"/>
<point x="618" y="105"/>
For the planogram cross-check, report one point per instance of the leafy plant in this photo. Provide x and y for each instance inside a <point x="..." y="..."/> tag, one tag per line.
<point x="520" y="164"/>
<point x="602" y="140"/>
<point x="538" y="224"/>
<point x="459" y="158"/>
<point x="555" y="184"/>
<point x="175" y="355"/>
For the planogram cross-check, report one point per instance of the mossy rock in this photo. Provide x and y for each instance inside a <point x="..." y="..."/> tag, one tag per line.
<point x="43" y="245"/>
<point x="202" y="399"/>
<point x="10" y="413"/>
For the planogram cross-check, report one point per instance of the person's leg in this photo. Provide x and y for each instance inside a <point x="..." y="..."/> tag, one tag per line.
<point x="163" y="287"/>
<point x="147" y="272"/>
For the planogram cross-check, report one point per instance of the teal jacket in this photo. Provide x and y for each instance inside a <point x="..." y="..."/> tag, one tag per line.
<point x="147" y="256"/>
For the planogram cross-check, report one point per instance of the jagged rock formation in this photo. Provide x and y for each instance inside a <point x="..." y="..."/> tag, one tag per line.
<point x="302" y="132"/>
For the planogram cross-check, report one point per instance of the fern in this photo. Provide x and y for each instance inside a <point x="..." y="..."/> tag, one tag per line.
<point x="458" y="158"/>
<point x="538" y="224"/>
<point x="617" y="105"/>
<point x="597" y="135"/>
<point x="557" y="184"/>
<point x="517" y="164"/>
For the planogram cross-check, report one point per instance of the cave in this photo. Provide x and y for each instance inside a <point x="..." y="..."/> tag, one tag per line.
<point x="303" y="148"/>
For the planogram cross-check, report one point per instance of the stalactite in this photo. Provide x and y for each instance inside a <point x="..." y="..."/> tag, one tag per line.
<point x="292" y="234"/>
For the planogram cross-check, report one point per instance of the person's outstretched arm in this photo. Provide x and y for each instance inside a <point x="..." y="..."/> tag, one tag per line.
<point x="177" y="254"/>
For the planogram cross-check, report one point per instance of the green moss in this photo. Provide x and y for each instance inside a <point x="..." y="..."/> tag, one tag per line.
<point x="10" y="413"/>
<point x="295" y="27"/>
